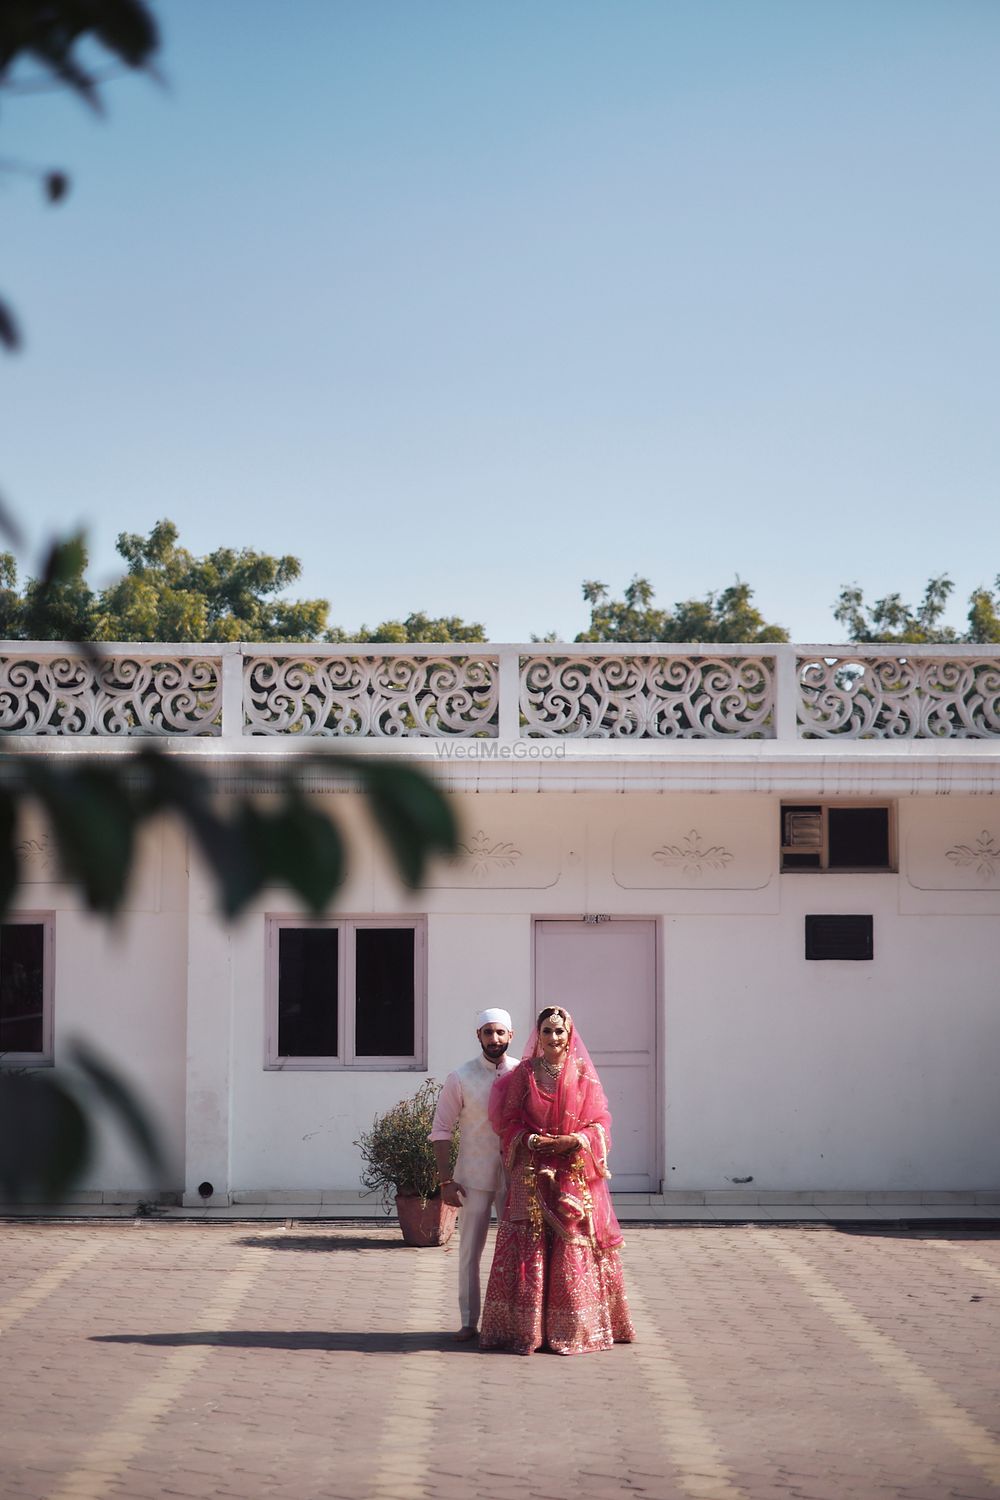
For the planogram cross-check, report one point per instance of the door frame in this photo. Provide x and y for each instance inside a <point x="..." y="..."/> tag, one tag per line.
<point x="658" y="1152"/>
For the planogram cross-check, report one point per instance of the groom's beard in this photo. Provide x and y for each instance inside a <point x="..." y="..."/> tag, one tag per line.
<point x="495" y="1050"/>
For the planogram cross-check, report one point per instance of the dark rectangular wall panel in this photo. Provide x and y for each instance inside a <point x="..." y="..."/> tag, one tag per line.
<point x="843" y="937"/>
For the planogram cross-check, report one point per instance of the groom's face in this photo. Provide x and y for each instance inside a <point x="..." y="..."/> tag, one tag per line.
<point x="494" y="1040"/>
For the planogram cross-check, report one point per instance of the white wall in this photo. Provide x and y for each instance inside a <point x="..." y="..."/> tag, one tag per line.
<point x="800" y="1075"/>
<point x="122" y="989"/>
<point x="832" y="1075"/>
<point x="297" y="1129"/>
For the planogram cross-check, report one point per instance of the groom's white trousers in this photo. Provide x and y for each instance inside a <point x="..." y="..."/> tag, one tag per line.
<point x="473" y="1226"/>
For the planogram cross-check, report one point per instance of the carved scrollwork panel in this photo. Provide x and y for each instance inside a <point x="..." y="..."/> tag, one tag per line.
<point x="648" y="697"/>
<point x="382" y="696"/>
<point x="899" y="697"/>
<point x="121" y="695"/>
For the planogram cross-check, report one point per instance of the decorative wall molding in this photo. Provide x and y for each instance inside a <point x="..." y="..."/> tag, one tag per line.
<point x="39" y="858"/>
<point x="503" y="846"/>
<point x="949" y="854"/>
<point x="693" y="855"/>
<point x="983" y="856"/>
<point x="700" y="844"/>
<point x="483" y="856"/>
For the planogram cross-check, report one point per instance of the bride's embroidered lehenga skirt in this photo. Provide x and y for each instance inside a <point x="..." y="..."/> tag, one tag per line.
<point x="557" y="1276"/>
<point x="547" y="1290"/>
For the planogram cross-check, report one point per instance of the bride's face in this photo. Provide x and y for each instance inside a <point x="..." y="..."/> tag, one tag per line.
<point x="554" y="1038"/>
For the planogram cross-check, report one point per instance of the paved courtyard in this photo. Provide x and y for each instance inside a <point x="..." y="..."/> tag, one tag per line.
<point x="155" y="1359"/>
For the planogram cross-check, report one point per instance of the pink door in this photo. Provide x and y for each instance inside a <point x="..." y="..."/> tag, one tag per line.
<point x="604" y="973"/>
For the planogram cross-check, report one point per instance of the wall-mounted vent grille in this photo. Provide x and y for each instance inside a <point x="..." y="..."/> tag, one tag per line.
<point x="802" y="827"/>
<point x="850" y="937"/>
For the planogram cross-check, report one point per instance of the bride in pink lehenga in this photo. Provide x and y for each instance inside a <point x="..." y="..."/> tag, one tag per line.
<point x="557" y="1276"/>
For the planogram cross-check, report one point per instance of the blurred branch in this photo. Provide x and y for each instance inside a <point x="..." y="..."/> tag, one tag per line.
<point x="47" y="1125"/>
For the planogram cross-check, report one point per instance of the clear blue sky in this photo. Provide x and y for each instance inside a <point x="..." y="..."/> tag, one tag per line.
<point x="464" y="301"/>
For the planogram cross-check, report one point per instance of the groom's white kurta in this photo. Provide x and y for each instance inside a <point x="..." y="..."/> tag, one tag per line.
<point x="464" y="1102"/>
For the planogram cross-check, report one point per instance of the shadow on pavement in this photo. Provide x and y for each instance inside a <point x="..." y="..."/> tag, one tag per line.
<point x="332" y="1342"/>
<point x="279" y="1241"/>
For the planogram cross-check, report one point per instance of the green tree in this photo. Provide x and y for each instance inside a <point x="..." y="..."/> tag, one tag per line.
<point x="59" y="604"/>
<point x="416" y="627"/>
<point x="890" y="620"/>
<point x="168" y="594"/>
<point x="727" y="616"/>
<point x="984" y="616"/>
<point x="11" y="603"/>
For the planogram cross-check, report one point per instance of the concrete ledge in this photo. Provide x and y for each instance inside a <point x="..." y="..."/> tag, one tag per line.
<point x="713" y="1205"/>
<point x="278" y="1195"/>
<point x="820" y="1198"/>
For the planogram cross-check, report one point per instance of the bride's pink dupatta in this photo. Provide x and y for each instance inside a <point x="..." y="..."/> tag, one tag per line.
<point x="567" y="1192"/>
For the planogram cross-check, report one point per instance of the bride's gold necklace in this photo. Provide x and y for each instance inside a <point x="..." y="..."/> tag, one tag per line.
<point x="553" y="1069"/>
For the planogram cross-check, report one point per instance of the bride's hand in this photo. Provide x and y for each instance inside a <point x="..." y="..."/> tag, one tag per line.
<point x="562" y="1144"/>
<point x="558" y="1145"/>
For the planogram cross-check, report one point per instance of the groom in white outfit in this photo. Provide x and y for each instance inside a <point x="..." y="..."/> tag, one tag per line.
<point x="478" y="1175"/>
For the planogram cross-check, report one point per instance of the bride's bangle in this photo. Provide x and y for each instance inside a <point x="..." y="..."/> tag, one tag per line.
<point x="534" y="1142"/>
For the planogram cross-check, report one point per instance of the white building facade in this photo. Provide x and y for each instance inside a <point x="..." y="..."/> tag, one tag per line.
<point x="765" y="880"/>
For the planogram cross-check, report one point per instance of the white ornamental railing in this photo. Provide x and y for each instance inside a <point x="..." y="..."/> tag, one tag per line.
<point x="603" y="692"/>
<point x="131" y="691"/>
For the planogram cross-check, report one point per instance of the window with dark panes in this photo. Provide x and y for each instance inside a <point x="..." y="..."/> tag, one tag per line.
<point x="859" y="838"/>
<point x="22" y="987"/>
<point x="832" y="836"/>
<point x="384" y="992"/>
<point x="346" y="993"/>
<point x="308" y="973"/>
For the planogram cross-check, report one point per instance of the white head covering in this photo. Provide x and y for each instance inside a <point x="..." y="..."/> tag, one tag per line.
<point x="496" y="1015"/>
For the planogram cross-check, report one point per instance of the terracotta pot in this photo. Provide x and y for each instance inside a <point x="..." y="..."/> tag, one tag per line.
<point x="425" y="1221"/>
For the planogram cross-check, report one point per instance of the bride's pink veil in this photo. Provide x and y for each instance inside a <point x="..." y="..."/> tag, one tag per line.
<point x="579" y="1104"/>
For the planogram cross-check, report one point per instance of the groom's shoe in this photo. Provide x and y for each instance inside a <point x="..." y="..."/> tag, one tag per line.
<point x="466" y="1334"/>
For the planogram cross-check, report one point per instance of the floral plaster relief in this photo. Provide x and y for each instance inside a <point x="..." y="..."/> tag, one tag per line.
<point x="693" y="855"/>
<point x="491" y="861"/>
<point x="714" y="848"/>
<point x="38" y="859"/>
<point x="952" y="845"/>
<point x="483" y="856"/>
<point x="982" y="856"/>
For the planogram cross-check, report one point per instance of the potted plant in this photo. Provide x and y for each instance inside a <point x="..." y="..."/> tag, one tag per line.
<point x="399" y="1162"/>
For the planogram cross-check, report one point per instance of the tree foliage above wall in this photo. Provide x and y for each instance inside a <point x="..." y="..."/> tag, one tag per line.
<point x="727" y="615"/>
<point x="891" y="620"/>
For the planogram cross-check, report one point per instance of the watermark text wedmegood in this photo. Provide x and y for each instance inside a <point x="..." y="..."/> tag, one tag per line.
<point x="494" y="750"/>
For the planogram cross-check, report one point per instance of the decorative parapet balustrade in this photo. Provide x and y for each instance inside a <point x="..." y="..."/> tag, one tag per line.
<point x="899" y="696"/>
<point x="374" y="693"/>
<point x="376" y="696"/>
<point x="130" y="692"/>
<point x="647" y="696"/>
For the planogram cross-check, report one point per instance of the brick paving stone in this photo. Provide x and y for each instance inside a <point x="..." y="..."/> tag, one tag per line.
<point x="257" y="1361"/>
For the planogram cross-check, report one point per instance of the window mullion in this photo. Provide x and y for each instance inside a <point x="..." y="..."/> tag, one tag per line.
<point x="348" y="1006"/>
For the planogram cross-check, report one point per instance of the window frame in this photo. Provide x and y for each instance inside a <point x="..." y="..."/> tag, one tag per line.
<point x="347" y="1059"/>
<point x="45" y="920"/>
<point x="823" y="868"/>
